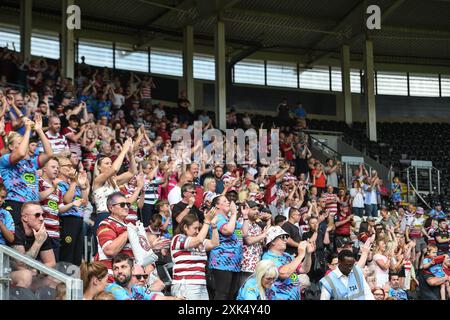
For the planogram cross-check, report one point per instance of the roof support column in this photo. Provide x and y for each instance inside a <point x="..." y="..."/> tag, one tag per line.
<point x="346" y="88"/>
<point x="188" y="65"/>
<point x="221" y="64"/>
<point x="67" y="43"/>
<point x="26" y="15"/>
<point x="369" y="90"/>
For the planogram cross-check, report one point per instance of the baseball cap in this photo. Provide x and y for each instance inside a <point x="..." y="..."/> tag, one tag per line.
<point x="252" y="204"/>
<point x="419" y="210"/>
<point x="273" y="233"/>
<point x="266" y="210"/>
<point x="342" y="242"/>
<point x="371" y="219"/>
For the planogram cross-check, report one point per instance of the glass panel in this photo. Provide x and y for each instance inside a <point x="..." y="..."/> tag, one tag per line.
<point x="424" y="85"/>
<point x="168" y="62"/>
<point x="445" y="85"/>
<point x="355" y="81"/>
<point x="10" y="37"/>
<point x="392" y="83"/>
<point x="45" y="44"/>
<point x="249" y="71"/>
<point x="96" y="53"/>
<point x="127" y="59"/>
<point x="336" y="79"/>
<point x="204" y="67"/>
<point x="282" y="74"/>
<point x="317" y="78"/>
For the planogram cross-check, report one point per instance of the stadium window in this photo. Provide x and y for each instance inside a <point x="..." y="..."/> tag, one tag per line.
<point x="336" y="79"/>
<point x="317" y="78"/>
<point x="204" y="67"/>
<point x="445" y="86"/>
<point x="127" y="59"/>
<point x="97" y="53"/>
<point x="355" y="81"/>
<point x="168" y="62"/>
<point x="10" y="37"/>
<point x="282" y="74"/>
<point x="423" y="85"/>
<point x="249" y="71"/>
<point x="45" y="44"/>
<point x="392" y="83"/>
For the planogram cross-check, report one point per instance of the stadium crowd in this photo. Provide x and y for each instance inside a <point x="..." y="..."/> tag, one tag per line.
<point x="85" y="157"/>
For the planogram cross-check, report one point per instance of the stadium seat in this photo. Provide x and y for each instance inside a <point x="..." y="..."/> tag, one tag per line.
<point x="45" y="293"/>
<point x="19" y="293"/>
<point x="68" y="269"/>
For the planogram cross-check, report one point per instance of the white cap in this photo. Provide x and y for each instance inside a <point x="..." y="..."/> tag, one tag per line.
<point x="274" y="232"/>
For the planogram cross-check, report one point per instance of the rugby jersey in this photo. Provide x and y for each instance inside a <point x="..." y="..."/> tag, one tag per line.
<point x="57" y="141"/>
<point x="75" y="147"/>
<point x="108" y="230"/>
<point x="330" y="203"/>
<point x="50" y="206"/>
<point x="189" y="264"/>
<point x="20" y="179"/>
<point x="151" y="190"/>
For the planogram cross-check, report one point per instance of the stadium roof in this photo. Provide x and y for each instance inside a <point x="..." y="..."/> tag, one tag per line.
<point x="413" y="31"/>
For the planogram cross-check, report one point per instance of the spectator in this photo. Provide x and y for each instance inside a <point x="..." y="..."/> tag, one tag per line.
<point x="357" y="199"/>
<point x="94" y="276"/>
<point x="57" y="141"/>
<point x="290" y="227"/>
<point x="112" y="234"/>
<point x="260" y="285"/>
<point x="190" y="244"/>
<point x="122" y="289"/>
<point x="18" y="168"/>
<point x="395" y="291"/>
<point x="186" y="205"/>
<point x="442" y="237"/>
<point x="371" y="187"/>
<point x="379" y="293"/>
<point x="7" y="227"/>
<point x="396" y="191"/>
<point x="287" y="285"/>
<point x="225" y="259"/>
<point x="254" y="241"/>
<point x="332" y="170"/>
<point x="31" y="238"/>
<point x="106" y="180"/>
<point x="74" y="187"/>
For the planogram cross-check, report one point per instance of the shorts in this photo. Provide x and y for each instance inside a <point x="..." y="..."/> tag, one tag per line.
<point x="421" y="244"/>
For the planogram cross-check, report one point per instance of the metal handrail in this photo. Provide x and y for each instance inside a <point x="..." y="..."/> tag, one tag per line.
<point x="74" y="287"/>
<point x="338" y="155"/>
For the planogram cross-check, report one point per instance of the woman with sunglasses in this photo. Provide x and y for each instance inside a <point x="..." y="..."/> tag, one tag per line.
<point x="94" y="276"/>
<point x="106" y="180"/>
<point x="260" y="285"/>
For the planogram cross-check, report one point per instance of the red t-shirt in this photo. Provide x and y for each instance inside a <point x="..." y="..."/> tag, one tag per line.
<point x="343" y="230"/>
<point x="288" y="155"/>
<point x="321" y="182"/>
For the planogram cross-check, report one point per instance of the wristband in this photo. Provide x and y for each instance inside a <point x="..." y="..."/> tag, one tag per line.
<point x="188" y="207"/>
<point x="208" y="223"/>
<point x="245" y="219"/>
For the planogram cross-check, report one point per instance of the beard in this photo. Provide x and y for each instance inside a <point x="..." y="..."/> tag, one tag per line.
<point x="124" y="282"/>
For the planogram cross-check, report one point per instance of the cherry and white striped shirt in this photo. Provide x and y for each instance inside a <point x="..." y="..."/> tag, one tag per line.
<point x="189" y="264"/>
<point x="57" y="141"/>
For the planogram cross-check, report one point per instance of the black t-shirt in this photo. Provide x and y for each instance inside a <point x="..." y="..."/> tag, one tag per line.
<point x="21" y="239"/>
<point x="283" y="111"/>
<point x="442" y="247"/>
<point x="294" y="234"/>
<point x="427" y="292"/>
<point x="179" y="207"/>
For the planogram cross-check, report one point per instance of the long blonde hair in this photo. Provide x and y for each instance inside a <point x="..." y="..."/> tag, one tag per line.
<point x="11" y="137"/>
<point x="265" y="268"/>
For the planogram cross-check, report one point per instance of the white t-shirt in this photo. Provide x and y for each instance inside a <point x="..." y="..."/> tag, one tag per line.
<point x="358" y="198"/>
<point x="174" y="195"/>
<point x="382" y="276"/>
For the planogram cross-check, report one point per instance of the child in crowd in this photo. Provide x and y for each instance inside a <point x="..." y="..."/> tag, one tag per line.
<point x="7" y="227"/>
<point x="433" y="263"/>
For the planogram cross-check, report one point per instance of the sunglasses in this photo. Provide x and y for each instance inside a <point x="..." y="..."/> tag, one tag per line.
<point x="193" y="192"/>
<point x="283" y="237"/>
<point x="123" y="204"/>
<point x="141" y="276"/>
<point x="38" y="214"/>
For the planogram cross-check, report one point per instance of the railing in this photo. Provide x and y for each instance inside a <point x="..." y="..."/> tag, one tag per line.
<point x="74" y="287"/>
<point x="431" y="183"/>
<point x="319" y="145"/>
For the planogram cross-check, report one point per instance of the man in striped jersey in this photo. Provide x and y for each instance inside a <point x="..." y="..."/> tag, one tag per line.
<point x="57" y="140"/>
<point x="51" y="199"/>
